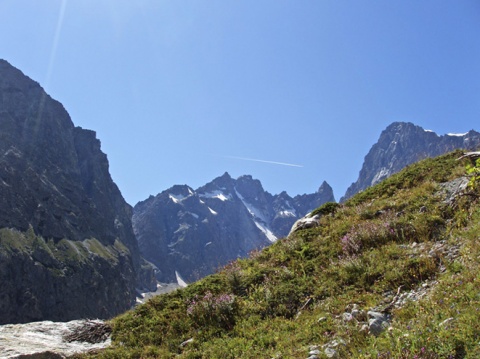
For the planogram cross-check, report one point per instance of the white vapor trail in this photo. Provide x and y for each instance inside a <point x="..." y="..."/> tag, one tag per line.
<point x="263" y="161"/>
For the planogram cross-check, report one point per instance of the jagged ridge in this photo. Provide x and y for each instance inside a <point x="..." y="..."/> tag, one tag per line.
<point x="194" y="232"/>
<point x="401" y="144"/>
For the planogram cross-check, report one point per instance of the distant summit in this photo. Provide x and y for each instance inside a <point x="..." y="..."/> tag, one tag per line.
<point x="401" y="144"/>
<point x="194" y="232"/>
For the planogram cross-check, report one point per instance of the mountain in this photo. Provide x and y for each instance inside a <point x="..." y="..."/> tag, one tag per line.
<point x="391" y="273"/>
<point x="67" y="247"/>
<point x="194" y="232"/>
<point x="402" y="144"/>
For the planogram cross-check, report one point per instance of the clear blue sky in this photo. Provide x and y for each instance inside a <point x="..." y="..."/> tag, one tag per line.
<point x="178" y="91"/>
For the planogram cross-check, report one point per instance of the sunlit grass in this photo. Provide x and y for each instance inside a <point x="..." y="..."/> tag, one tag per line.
<point x="293" y="295"/>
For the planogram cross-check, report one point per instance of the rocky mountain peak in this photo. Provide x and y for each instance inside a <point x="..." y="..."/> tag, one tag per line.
<point x="220" y="221"/>
<point x="325" y="188"/>
<point x="401" y="144"/>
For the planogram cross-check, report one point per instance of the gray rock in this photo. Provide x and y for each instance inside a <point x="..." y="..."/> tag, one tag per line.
<point x="331" y="353"/>
<point x="64" y="225"/>
<point x="305" y="223"/>
<point x="454" y="188"/>
<point x="44" y="340"/>
<point x="197" y="231"/>
<point x="347" y="317"/>
<point x="377" y="323"/>
<point x="401" y="144"/>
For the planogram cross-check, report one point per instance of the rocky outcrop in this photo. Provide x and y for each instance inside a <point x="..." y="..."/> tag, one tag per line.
<point x="194" y="232"/>
<point x="49" y="340"/>
<point x="57" y="196"/>
<point x="401" y="144"/>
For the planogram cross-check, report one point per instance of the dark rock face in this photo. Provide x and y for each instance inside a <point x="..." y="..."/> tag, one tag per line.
<point x="402" y="144"/>
<point x="54" y="182"/>
<point x="194" y="232"/>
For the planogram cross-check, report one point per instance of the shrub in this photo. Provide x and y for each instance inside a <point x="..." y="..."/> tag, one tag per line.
<point x="326" y="208"/>
<point x="473" y="171"/>
<point x="211" y="310"/>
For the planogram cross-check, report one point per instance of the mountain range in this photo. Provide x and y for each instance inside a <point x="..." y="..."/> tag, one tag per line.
<point x="71" y="247"/>
<point x="191" y="233"/>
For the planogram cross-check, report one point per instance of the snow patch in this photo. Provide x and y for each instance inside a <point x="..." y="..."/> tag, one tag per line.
<point x="255" y="212"/>
<point x="381" y="175"/>
<point x="182" y="228"/>
<point x="288" y="213"/>
<point x="194" y="215"/>
<point x="268" y="233"/>
<point x="212" y="211"/>
<point x="457" y="134"/>
<point x="207" y="244"/>
<point x="216" y="194"/>
<point x="180" y="280"/>
<point x="177" y="198"/>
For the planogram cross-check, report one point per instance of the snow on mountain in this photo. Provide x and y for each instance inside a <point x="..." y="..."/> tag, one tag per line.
<point x="268" y="233"/>
<point x="215" y="194"/>
<point x="401" y="144"/>
<point x="203" y="229"/>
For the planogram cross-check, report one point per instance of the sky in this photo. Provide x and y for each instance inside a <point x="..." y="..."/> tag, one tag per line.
<point x="292" y="92"/>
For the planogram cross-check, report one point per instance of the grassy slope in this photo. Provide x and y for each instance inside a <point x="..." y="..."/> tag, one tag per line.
<point x="292" y="295"/>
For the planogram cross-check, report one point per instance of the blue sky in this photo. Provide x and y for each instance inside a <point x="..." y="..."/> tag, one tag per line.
<point x="181" y="91"/>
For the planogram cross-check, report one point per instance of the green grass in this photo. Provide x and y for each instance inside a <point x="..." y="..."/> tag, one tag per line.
<point x="57" y="256"/>
<point x="292" y="295"/>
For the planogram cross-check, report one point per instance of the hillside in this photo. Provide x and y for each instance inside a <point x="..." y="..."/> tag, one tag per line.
<point x="392" y="273"/>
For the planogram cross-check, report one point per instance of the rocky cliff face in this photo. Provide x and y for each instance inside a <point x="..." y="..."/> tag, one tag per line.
<point x="401" y="144"/>
<point x="194" y="232"/>
<point x="67" y="244"/>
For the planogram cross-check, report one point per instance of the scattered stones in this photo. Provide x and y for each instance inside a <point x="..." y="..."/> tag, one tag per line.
<point x="347" y="317"/>
<point x="331" y="353"/>
<point x="314" y="352"/>
<point x="330" y="348"/>
<point x="378" y="322"/>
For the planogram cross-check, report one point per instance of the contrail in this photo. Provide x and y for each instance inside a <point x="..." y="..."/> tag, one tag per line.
<point x="263" y="161"/>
